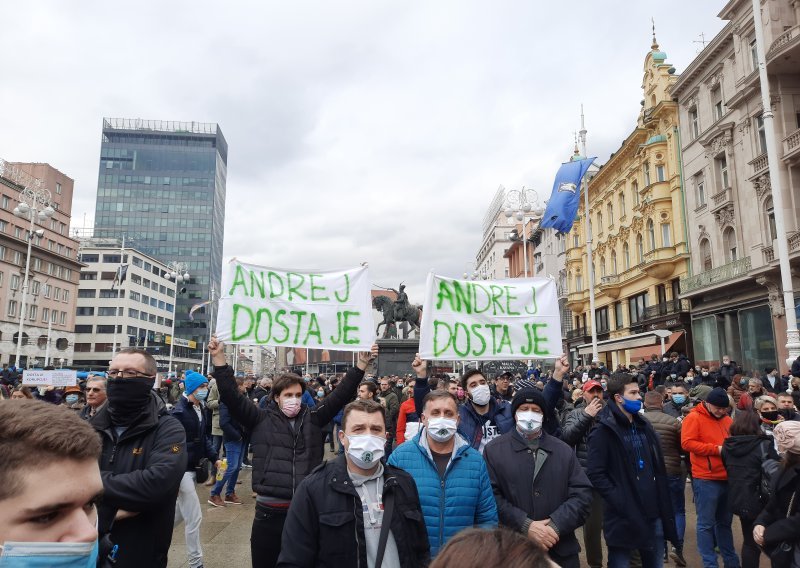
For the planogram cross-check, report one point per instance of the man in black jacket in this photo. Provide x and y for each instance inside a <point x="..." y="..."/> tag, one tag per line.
<point x="540" y="487"/>
<point x="189" y="411"/>
<point x="575" y="432"/>
<point x="143" y="461"/>
<point x="287" y="441"/>
<point x="338" y="516"/>
<point x="626" y="466"/>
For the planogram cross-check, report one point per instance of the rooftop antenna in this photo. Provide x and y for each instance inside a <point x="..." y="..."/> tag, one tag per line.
<point x="702" y="41"/>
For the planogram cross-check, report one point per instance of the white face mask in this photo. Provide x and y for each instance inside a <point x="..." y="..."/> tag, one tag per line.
<point x="365" y="451"/>
<point x="529" y="422"/>
<point x="441" y="429"/>
<point x="480" y="395"/>
<point x="41" y="554"/>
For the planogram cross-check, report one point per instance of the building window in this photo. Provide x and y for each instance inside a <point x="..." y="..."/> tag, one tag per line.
<point x="754" y="54"/>
<point x="83" y="311"/>
<point x="666" y="235"/>
<point x="646" y="172"/>
<point x="576" y="240"/>
<point x="722" y="171"/>
<point x="772" y="230"/>
<point x="636" y="307"/>
<point x="12" y="308"/>
<point x="86" y="293"/>
<point x="762" y="134"/>
<point x="599" y="223"/>
<point x="729" y="238"/>
<point x="700" y="189"/>
<point x="578" y="283"/>
<point x="639" y="249"/>
<point x="716" y="102"/>
<point x="63" y="319"/>
<point x="601" y="319"/>
<point x="626" y="256"/>
<point x="618" y="315"/>
<point x="651" y="235"/>
<point x="88" y="275"/>
<point x="602" y="266"/>
<point x="4" y="202"/>
<point x="694" y="123"/>
<point x="705" y="254"/>
<point x="613" y="262"/>
<point x="83" y="328"/>
<point x="660" y="175"/>
<point x="621" y="204"/>
<point x="33" y="312"/>
<point x="106" y="311"/>
<point x="635" y="193"/>
<point x="15" y="281"/>
<point x="58" y="188"/>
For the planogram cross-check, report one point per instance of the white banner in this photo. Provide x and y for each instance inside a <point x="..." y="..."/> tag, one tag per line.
<point x="296" y="308"/>
<point x="491" y="320"/>
<point x="56" y="378"/>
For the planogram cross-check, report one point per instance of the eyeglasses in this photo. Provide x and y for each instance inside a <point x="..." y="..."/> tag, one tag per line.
<point x="128" y="374"/>
<point x="95" y="389"/>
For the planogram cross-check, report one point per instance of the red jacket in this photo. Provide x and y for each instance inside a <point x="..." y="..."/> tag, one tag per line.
<point x="406" y="407"/>
<point x="701" y="436"/>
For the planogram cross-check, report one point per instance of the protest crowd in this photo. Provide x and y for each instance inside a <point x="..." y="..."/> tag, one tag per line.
<point x="427" y="469"/>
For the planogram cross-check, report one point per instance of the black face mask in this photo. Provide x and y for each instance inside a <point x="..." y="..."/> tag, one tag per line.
<point x="771" y="415"/>
<point x="127" y="398"/>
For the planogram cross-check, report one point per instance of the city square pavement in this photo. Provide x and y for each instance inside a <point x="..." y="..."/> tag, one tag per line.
<point x="225" y="532"/>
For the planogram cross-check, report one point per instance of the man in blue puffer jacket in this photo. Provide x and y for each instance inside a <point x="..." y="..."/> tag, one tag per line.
<point x="452" y="480"/>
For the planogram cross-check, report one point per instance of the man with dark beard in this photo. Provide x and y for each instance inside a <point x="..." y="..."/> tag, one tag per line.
<point x="142" y="463"/>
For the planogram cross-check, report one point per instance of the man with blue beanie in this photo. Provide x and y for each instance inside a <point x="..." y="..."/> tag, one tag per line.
<point x="189" y="411"/>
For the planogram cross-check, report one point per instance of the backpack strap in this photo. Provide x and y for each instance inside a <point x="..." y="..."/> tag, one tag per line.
<point x="386" y="526"/>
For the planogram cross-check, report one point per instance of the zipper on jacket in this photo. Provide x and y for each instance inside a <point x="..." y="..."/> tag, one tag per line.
<point x="355" y="524"/>
<point x="294" y="452"/>
<point x="113" y="454"/>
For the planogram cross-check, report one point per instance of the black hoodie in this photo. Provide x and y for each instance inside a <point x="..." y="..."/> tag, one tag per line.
<point x="742" y="457"/>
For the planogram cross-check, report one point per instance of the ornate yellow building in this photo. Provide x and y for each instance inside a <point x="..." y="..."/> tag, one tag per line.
<point x="639" y="248"/>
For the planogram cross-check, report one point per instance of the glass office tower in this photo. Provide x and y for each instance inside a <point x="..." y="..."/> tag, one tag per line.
<point x="162" y="185"/>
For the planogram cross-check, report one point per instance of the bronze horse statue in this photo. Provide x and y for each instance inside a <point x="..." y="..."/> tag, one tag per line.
<point x="386" y="306"/>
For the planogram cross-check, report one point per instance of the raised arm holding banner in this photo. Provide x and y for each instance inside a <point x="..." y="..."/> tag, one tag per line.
<point x="498" y="320"/>
<point x="296" y="308"/>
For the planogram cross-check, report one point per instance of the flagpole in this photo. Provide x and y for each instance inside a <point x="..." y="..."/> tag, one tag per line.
<point x="116" y="318"/>
<point x="587" y="225"/>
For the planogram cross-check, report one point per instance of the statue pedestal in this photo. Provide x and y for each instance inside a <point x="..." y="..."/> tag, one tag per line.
<point x="395" y="356"/>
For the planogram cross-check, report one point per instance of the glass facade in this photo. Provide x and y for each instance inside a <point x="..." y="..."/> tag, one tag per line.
<point x="162" y="184"/>
<point x="746" y="335"/>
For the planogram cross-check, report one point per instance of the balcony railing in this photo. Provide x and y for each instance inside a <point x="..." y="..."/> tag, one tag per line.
<point x="791" y="143"/>
<point x="665" y="309"/>
<point x="783" y="40"/>
<point x="759" y="164"/>
<point x="576" y="333"/>
<point x="717" y="275"/>
<point x="607" y="280"/>
<point x="722" y="198"/>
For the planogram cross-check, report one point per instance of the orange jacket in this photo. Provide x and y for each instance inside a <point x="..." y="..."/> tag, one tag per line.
<point x="701" y="436"/>
<point x="406" y="407"/>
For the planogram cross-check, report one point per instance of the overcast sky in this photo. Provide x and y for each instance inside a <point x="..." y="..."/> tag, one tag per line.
<point x="358" y="131"/>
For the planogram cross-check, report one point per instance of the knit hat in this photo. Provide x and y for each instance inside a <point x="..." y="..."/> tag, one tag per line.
<point x="528" y="396"/>
<point x="193" y="381"/>
<point x="718" y="397"/>
<point x="525" y="384"/>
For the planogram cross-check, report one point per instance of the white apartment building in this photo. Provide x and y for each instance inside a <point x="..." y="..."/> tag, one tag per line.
<point x="139" y="312"/>
<point x="489" y="260"/>
<point x="734" y="286"/>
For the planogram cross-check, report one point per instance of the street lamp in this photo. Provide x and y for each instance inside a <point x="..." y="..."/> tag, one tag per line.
<point x="178" y="273"/>
<point x="34" y="204"/>
<point x="520" y="203"/>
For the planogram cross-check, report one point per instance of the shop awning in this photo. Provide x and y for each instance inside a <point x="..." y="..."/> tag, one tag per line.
<point x="645" y="352"/>
<point x="647" y="341"/>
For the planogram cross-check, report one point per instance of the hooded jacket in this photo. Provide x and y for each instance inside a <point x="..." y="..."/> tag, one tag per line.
<point x="701" y="436"/>
<point x="575" y="431"/>
<point x="198" y="442"/>
<point x="611" y="468"/>
<point x="780" y="527"/>
<point x="668" y="429"/>
<point x="461" y="499"/>
<point x="325" y="524"/>
<point x="742" y="457"/>
<point x="141" y="471"/>
<point x="284" y="454"/>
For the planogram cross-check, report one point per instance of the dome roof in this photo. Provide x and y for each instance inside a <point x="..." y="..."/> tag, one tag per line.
<point x="655" y="139"/>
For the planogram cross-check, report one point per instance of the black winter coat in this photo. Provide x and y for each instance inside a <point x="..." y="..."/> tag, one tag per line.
<point x="575" y="431"/>
<point x="560" y="491"/>
<point x="779" y="528"/>
<point x="325" y="523"/>
<point x="742" y="457"/>
<point x="612" y="470"/>
<point x="141" y="473"/>
<point x="284" y="455"/>
<point x="198" y="441"/>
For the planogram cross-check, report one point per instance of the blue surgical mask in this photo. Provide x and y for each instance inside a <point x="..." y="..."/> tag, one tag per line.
<point x="631" y="406"/>
<point x="201" y="394"/>
<point x="320" y="393"/>
<point x="679" y="399"/>
<point x="72" y="398"/>
<point x="49" y="554"/>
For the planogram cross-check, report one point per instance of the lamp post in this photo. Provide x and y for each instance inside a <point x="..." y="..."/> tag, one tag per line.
<point x="34" y="203"/>
<point x="178" y="273"/>
<point x="519" y="203"/>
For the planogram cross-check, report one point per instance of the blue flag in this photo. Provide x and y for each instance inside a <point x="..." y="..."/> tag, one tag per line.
<point x="563" y="204"/>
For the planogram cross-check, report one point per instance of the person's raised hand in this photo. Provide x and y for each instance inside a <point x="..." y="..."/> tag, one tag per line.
<point x="217" y="350"/>
<point x="367" y="357"/>
<point x="420" y="366"/>
<point x="561" y="367"/>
